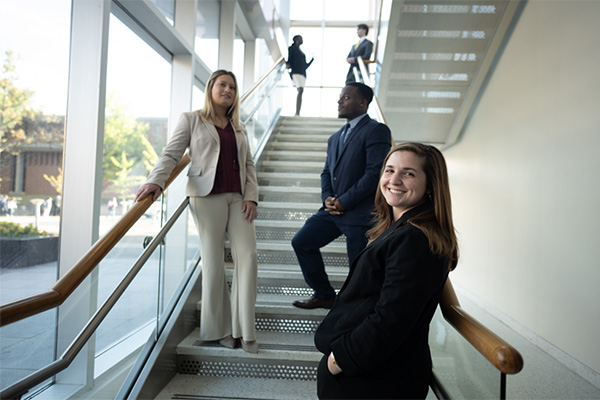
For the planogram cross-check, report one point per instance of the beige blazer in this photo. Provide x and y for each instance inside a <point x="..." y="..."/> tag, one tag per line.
<point x="204" y="145"/>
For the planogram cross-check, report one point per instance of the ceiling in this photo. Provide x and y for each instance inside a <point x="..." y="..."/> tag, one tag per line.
<point x="436" y="58"/>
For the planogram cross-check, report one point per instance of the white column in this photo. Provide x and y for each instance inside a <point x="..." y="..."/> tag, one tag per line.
<point x="182" y="83"/>
<point x="84" y="136"/>
<point x="226" y="34"/>
<point x="249" y="62"/>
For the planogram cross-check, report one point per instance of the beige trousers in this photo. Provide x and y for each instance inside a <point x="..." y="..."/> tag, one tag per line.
<point x="224" y="313"/>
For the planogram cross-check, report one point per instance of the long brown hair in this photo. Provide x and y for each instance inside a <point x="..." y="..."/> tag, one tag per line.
<point x="436" y="220"/>
<point x="207" y="113"/>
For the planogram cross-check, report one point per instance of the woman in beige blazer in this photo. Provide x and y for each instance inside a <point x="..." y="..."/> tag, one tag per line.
<point x="223" y="193"/>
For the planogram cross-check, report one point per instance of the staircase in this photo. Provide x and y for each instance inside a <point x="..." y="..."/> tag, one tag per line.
<point x="285" y="366"/>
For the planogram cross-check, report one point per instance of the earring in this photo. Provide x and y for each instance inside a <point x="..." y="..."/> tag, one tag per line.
<point x="429" y="194"/>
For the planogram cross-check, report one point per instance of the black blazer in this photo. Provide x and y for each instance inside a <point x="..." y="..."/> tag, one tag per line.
<point x="297" y="60"/>
<point x="352" y="175"/>
<point x="379" y="324"/>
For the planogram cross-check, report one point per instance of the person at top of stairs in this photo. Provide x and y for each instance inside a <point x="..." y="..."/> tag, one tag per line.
<point x="348" y="182"/>
<point x="223" y="190"/>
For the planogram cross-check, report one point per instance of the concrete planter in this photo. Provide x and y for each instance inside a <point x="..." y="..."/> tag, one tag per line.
<point x="23" y="252"/>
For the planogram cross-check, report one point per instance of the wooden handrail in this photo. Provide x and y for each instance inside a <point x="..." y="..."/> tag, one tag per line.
<point x="501" y="354"/>
<point x="57" y="294"/>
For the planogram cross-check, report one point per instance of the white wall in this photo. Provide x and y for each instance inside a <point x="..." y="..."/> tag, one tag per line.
<point x="525" y="185"/>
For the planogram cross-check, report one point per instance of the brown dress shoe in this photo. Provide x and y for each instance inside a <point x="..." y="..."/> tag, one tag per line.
<point x="313" y="303"/>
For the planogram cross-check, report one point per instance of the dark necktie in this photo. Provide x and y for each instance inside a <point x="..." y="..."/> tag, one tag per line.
<point x="343" y="137"/>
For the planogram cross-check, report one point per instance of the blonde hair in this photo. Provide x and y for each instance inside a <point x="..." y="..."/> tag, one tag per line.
<point x="436" y="220"/>
<point x="207" y="113"/>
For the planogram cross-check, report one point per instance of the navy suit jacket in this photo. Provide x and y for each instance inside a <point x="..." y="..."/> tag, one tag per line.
<point x="353" y="175"/>
<point x="364" y="50"/>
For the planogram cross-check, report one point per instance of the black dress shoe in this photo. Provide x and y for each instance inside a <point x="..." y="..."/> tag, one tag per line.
<point x="313" y="303"/>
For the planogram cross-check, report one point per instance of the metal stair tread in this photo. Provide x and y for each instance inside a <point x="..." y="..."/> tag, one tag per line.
<point x="272" y="346"/>
<point x="184" y="386"/>
<point x="290" y="175"/>
<point x="287" y="189"/>
<point x="263" y="223"/>
<point x="285" y="245"/>
<point x="289" y="206"/>
<point x="295" y="267"/>
<point x="303" y="164"/>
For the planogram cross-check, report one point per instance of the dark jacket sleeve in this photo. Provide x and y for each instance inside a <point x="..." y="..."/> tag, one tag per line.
<point x="377" y="144"/>
<point x="365" y="50"/>
<point x="326" y="186"/>
<point x="412" y="280"/>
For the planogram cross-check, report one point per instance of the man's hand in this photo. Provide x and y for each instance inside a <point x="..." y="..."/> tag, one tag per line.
<point x="147" y="188"/>
<point x="350" y="60"/>
<point x="249" y="210"/>
<point x="333" y="206"/>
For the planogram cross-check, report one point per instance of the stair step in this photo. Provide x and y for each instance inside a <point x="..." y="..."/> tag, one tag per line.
<point x="187" y="387"/>
<point x="295" y="136"/>
<point x="290" y="176"/>
<point x="287" y="155"/>
<point x="273" y="346"/>
<point x="290" y="205"/>
<point x="278" y="165"/>
<point x="298" y="146"/>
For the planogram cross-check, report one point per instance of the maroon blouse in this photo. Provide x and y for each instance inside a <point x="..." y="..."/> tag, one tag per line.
<point x="227" y="179"/>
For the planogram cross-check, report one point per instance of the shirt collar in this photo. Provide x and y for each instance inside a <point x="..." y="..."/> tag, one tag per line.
<point x="352" y="124"/>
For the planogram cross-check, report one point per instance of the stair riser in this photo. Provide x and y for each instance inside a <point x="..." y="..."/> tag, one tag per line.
<point x="269" y="234"/>
<point x="256" y="368"/>
<point x="291" y="197"/>
<point x="292" y="182"/>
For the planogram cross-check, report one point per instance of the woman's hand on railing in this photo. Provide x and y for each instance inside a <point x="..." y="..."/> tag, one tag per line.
<point x="146" y="189"/>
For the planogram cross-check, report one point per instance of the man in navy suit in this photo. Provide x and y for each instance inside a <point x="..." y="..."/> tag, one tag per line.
<point x="362" y="48"/>
<point x="349" y="179"/>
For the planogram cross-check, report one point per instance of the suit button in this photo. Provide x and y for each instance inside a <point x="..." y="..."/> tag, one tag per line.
<point x="335" y="178"/>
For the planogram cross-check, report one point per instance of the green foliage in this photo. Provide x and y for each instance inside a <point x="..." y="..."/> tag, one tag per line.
<point x="128" y="154"/>
<point x="14" y="105"/>
<point x="125" y="181"/>
<point x="14" y="230"/>
<point x="19" y="123"/>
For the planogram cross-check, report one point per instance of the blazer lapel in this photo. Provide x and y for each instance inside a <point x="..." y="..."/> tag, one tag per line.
<point x="353" y="132"/>
<point x="212" y="130"/>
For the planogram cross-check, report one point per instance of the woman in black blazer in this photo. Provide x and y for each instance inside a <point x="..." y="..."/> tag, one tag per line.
<point x="375" y="338"/>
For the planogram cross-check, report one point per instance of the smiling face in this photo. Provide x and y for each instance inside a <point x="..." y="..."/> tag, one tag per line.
<point x="351" y="104"/>
<point x="223" y="91"/>
<point x="403" y="182"/>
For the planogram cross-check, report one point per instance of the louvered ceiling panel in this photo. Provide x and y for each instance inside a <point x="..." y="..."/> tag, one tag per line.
<point x="433" y="62"/>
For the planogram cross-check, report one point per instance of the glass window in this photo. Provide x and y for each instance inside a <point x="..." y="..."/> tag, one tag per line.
<point x="135" y="132"/>
<point x="239" y="48"/>
<point x="349" y="10"/>
<point x="207" y="32"/>
<point x="167" y="8"/>
<point x="34" y="52"/>
<point x="308" y="10"/>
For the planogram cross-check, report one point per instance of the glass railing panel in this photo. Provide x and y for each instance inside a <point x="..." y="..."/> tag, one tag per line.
<point x="26" y="346"/>
<point x="316" y="101"/>
<point x="462" y="370"/>
<point x="260" y="110"/>
<point x="137" y="309"/>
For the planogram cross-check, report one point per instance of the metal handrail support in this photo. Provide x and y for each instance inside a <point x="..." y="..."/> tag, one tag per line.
<point x="21" y="387"/>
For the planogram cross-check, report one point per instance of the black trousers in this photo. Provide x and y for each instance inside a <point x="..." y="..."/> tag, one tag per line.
<point x="373" y="386"/>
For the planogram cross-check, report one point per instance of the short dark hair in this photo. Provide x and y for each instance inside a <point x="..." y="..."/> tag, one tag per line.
<point x="363" y="90"/>
<point x="295" y="38"/>
<point x="363" y="26"/>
